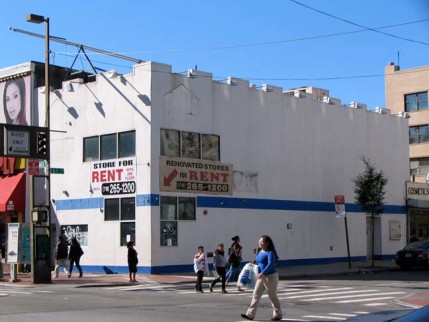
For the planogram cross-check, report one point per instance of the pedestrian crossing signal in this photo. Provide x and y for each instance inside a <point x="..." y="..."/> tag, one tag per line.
<point x="42" y="147"/>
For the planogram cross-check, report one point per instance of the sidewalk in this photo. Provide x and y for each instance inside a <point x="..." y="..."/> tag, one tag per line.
<point x="414" y="300"/>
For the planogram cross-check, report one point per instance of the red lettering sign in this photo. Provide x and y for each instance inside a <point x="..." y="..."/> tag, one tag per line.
<point x="107" y="175"/>
<point x="204" y="176"/>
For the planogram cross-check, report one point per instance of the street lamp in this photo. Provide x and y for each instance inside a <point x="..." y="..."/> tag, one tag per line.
<point x="39" y="19"/>
<point x="41" y="256"/>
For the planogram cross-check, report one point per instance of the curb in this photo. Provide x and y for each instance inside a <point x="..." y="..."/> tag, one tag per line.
<point x="105" y="285"/>
<point x="408" y="305"/>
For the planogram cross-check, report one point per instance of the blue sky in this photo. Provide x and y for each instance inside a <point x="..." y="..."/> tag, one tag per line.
<point x="322" y="43"/>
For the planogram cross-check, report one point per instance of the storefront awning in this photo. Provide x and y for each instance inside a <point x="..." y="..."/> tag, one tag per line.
<point x="12" y="193"/>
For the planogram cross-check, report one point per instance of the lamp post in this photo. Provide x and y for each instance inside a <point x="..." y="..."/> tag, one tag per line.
<point x="41" y="236"/>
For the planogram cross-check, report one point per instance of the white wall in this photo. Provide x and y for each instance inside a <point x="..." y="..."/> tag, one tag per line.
<point x="300" y="149"/>
<point x="109" y="105"/>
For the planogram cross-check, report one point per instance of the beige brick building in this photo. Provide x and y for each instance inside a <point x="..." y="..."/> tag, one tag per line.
<point x="407" y="94"/>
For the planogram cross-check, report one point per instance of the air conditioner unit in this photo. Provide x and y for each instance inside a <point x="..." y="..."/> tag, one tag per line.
<point x="326" y="99"/>
<point x="404" y="115"/>
<point x="382" y="110"/>
<point x="267" y="88"/>
<point x="357" y="105"/>
<point x="191" y="74"/>
<point x="297" y="94"/>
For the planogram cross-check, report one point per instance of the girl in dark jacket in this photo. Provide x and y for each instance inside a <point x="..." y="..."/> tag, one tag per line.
<point x="74" y="256"/>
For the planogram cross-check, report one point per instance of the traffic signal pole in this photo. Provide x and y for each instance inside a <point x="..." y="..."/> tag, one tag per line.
<point x="41" y="227"/>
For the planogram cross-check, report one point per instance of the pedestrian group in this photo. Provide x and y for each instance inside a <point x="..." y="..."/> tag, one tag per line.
<point x="62" y="255"/>
<point x="267" y="278"/>
<point x="265" y="260"/>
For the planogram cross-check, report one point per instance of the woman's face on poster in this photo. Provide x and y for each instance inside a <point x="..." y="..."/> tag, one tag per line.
<point x="13" y="101"/>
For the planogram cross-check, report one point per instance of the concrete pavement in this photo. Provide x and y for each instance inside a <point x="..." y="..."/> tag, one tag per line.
<point x="414" y="300"/>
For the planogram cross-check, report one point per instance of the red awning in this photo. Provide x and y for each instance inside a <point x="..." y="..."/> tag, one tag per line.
<point x="12" y="193"/>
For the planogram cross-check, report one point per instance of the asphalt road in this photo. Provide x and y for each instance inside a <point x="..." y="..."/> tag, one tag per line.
<point x="333" y="299"/>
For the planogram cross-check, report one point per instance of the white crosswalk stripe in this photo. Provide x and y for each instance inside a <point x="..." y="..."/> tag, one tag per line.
<point x="369" y="299"/>
<point x="352" y="296"/>
<point x="326" y="294"/>
<point x="20" y="291"/>
<point x="326" y="317"/>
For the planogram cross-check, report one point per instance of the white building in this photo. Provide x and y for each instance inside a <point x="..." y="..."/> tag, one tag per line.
<point x="176" y="161"/>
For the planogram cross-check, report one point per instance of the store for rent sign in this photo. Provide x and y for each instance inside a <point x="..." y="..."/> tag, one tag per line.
<point x="192" y="175"/>
<point x="114" y="177"/>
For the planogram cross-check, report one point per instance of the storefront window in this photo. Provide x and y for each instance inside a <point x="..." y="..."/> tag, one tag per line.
<point x="128" y="232"/>
<point x="168" y="233"/>
<point x="172" y="210"/>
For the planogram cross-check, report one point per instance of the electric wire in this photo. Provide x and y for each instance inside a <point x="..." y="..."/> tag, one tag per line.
<point x="358" y="25"/>
<point x="265" y="43"/>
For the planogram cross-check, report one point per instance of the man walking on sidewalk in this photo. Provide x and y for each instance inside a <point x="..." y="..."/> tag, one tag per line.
<point x="61" y="254"/>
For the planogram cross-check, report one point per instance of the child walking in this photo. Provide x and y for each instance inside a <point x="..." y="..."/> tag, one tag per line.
<point x="219" y="262"/>
<point x="200" y="266"/>
<point x="132" y="261"/>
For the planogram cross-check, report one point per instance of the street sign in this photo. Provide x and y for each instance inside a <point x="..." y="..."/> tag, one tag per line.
<point x="18" y="143"/>
<point x="57" y="170"/>
<point x="340" y="207"/>
<point x="33" y="167"/>
<point x="24" y="141"/>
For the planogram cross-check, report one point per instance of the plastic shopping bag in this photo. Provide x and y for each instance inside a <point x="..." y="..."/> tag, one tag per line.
<point x="215" y="273"/>
<point x="248" y="276"/>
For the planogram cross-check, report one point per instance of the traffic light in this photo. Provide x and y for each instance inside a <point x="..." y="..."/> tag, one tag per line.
<point x="42" y="144"/>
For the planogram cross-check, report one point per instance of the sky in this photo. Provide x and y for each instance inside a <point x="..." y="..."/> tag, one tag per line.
<point x="339" y="45"/>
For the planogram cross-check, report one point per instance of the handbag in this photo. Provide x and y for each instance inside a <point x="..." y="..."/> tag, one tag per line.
<point x="248" y="275"/>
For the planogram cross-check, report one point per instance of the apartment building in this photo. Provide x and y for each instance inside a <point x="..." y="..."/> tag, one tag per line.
<point x="407" y="95"/>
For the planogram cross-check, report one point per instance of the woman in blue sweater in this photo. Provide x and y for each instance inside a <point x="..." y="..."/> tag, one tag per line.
<point x="268" y="279"/>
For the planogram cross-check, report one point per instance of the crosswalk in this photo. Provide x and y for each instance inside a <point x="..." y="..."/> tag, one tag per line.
<point x="291" y="293"/>
<point x="298" y="294"/>
<point x="339" y="295"/>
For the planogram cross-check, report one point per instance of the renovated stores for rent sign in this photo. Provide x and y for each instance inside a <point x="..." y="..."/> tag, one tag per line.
<point x="114" y="177"/>
<point x="194" y="175"/>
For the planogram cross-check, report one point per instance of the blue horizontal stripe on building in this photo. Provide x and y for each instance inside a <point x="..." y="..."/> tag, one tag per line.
<point x="224" y="202"/>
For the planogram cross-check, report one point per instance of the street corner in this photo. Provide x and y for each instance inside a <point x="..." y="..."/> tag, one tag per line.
<point x="415" y="300"/>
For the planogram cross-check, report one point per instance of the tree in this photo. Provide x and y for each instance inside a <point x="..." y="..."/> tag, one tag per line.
<point x="369" y="189"/>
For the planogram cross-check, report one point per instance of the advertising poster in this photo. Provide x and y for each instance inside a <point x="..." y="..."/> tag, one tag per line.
<point x="15" y="100"/>
<point x="13" y="243"/>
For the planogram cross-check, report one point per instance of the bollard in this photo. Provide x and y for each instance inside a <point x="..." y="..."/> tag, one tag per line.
<point x="13" y="273"/>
